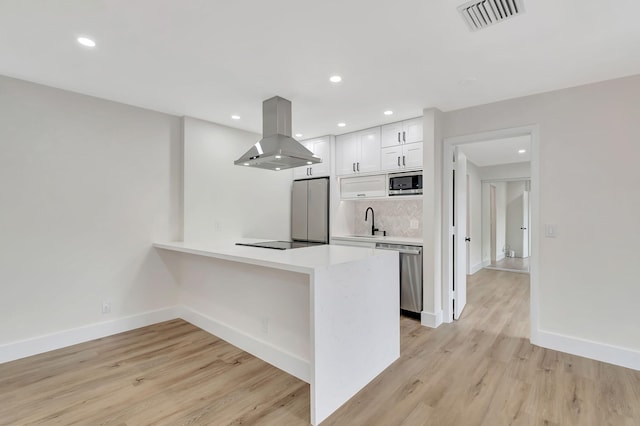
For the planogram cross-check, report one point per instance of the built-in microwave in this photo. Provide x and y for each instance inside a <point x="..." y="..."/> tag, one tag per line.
<point x="406" y="183"/>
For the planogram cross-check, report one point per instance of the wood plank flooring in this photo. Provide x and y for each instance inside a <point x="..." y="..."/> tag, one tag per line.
<point x="480" y="370"/>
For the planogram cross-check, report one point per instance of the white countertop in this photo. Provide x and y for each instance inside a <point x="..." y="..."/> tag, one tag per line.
<point x="304" y="260"/>
<point x="380" y="239"/>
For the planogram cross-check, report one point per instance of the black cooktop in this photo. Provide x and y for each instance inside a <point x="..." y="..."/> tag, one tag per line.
<point x="281" y="245"/>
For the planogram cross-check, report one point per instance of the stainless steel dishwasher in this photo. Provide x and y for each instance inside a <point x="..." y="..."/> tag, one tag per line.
<point x="410" y="276"/>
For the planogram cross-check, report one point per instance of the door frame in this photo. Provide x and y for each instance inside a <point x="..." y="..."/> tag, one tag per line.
<point x="534" y="200"/>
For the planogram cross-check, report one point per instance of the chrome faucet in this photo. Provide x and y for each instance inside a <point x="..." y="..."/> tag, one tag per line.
<point x="373" y="222"/>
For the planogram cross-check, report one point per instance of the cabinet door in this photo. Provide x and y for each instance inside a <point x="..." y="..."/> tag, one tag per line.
<point x="391" y="158"/>
<point x="363" y="186"/>
<point x="369" y="158"/>
<point x="321" y="148"/>
<point x="412" y="130"/>
<point x="346" y="154"/>
<point x="301" y="172"/>
<point x="412" y="155"/>
<point x="391" y="134"/>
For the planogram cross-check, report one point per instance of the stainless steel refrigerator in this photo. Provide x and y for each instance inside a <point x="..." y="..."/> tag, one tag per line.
<point x="310" y="210"/>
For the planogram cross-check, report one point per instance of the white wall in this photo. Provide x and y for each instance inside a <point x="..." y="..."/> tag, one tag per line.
<point x="224" y="201"/>
<point x="506" y="171"/>
<point x="475" y="211"/>
<point x="588" y="187"/>
<point x="86" y="186"/>
<point x="432" y="217"/>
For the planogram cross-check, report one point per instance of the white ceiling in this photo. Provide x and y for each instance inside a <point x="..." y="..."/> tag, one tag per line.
<point x="498" y="151"/>
<point x="211" y="59"/>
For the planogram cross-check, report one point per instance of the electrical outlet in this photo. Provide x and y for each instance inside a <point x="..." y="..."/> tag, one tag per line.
<point x="414" y="224"/>
<point x="106" y="307"/>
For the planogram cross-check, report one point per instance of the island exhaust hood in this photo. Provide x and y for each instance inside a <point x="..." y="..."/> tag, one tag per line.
<point x="277" y="150"/>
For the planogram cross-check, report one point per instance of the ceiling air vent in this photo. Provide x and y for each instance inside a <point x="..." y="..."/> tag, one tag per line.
<point x="481" y="14"/>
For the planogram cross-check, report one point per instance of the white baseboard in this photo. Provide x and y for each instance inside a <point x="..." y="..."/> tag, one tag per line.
<point x="589" y="349"/>
<point x="278" y="357"/>
<point x="431" y="320"/>
<point x="48" y="342"/>
<point x="475" y="268"/>
<point x="500" y="257"/>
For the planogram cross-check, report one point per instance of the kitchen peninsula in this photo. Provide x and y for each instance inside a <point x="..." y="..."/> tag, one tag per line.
<point x="326" y="314"/>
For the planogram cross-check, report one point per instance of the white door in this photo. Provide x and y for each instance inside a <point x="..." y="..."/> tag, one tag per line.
<point x="525" y="226"/>
<point x="412" y="155"/>
<point x="322" y="149"/>
<point x="412" y="130"/>
<point x="391" y="134"/>
<point x="346" y="154"/>
<point x="391" y="158"/>
<point x="369" y="160"/>
<point x="460" y="234"/>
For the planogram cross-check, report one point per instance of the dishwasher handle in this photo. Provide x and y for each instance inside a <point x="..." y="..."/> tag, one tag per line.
<point x="415" y="250"/>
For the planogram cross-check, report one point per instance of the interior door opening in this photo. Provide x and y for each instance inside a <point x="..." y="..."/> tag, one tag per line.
<point x="487" y="198"/>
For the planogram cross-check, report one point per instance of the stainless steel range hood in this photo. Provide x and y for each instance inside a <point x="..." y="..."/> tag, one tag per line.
<point x="277" y="150"/>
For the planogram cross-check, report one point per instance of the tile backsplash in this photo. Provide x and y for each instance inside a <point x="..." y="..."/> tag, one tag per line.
<point x="394" y="216"/>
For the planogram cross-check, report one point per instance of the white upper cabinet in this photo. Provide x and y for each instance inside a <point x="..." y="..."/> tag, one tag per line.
<point x="408" y="131"/>
<point x="358" y="152"/>
<point x="369" y="150"/>
<point x="402" y="145"/>
<point x="320" y="147"/>
<point x="406" y="156"/>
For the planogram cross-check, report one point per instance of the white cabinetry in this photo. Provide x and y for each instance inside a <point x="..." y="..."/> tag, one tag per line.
<point x="321" y="147"/>
<point x="363" y="186"/>
<point x="408" y="131"/>
<point x="358" y="152"/>
<point x="402" y="145"/>
<point x="406" y="156"/>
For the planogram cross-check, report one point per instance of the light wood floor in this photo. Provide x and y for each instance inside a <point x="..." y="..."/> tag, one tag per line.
<point x="480" y="370"/>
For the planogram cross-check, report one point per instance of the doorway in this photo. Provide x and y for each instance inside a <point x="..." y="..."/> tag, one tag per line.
<point x="463" y="240"/>
<point x="506" y="244"/>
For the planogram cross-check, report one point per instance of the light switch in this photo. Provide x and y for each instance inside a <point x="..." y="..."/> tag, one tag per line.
<point x="550" y="231"/>
<point x="414" y="224"/>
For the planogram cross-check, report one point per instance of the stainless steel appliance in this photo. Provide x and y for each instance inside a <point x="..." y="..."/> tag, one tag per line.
<point x="310" y="210"/>
<point x="406" y="183"/>
<point x="410" y="276"/>
<point x="277" y="150"/>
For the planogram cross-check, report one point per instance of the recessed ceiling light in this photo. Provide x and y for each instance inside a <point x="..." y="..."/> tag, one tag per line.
<point x="235" y="117"/>
<point x="246" y="164"/>
<point x="342" y="124"/>
<point x="278" y="156"/>
<point x="298" y="135"/>
<point x="522" y="151"/>
<point x="86" y="42"/>
<point x="309" y="162"/>
<point x="277" y="168"/>
<point x="335" y="79"/>
<point x="388" y="112"/>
